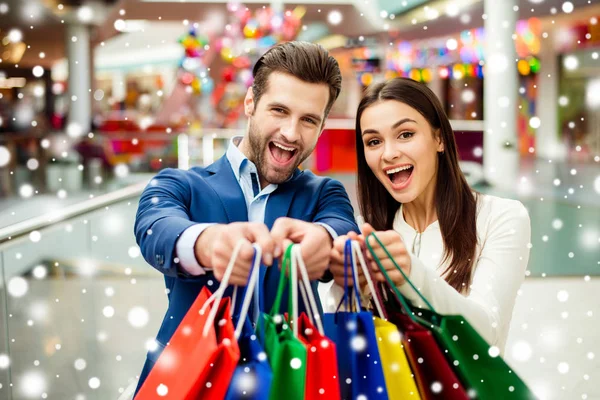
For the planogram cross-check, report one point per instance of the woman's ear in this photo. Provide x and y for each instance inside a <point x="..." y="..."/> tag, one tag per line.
<point x="440" y="141"/>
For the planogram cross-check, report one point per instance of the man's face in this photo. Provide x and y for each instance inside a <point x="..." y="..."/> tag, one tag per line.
<point x="284" y="126"/>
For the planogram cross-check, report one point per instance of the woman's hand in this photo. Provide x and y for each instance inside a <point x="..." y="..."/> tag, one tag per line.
<point x="395" y="246"/>
<point x="336" y="261"/>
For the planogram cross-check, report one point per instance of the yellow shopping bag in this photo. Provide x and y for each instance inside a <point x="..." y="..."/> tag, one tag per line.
<point x="399" y="378"/>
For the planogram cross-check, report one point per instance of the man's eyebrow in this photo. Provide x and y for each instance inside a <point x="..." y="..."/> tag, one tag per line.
<point x="317" y="118"/>
<point x="396" y="124"/>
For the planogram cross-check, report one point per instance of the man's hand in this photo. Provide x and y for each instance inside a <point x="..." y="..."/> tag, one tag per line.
<point x="215" y="246"/>
<point x="315" y="242"/>
<point x="336" y="262"/>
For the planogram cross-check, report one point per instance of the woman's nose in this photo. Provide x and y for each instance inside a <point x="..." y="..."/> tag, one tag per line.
<point x="391" y="152"/>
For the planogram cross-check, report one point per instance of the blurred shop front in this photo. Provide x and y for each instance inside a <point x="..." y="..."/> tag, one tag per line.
<point x="578" y="47"/>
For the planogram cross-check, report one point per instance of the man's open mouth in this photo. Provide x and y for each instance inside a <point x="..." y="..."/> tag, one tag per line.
<point x="282" y="153"/>
<point x="400" y="175"/>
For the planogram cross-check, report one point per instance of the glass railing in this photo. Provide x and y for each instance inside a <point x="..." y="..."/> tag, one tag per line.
<point x="78" y="304"/>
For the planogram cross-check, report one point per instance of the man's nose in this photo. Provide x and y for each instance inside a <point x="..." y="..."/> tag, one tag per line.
<point x="290" y="130"/>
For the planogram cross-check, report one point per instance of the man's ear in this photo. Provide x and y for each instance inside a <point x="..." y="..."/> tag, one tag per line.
<point x="249" y="103"/>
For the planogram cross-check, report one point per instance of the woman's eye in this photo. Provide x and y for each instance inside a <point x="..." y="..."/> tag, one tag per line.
<point x="407" y="135"/>
<point x="373" y="142"/>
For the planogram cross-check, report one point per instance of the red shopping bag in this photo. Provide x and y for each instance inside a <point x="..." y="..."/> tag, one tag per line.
<point x="200" y="359"/>
<point x="322" y="378"/>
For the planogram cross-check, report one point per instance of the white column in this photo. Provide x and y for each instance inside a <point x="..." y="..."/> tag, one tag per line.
<point x="547" y="142"/>
<point x="78" y="55"/>
<point x="500" y="86"/>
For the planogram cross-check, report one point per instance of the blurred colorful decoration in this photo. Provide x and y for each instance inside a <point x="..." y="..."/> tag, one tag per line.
<point x="579" y="35"/>
<point x="247" y="36"/>
<point x="194" y="73"/>
<point x="366" y="79"/>
<point x="529" y="65"/>
<point x="528" y="37"/>
<point x="466" y="49"/>
<point x="526" y="109"/>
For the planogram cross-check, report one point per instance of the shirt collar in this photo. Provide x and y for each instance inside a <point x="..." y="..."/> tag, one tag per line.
<point x="236" y="158"/>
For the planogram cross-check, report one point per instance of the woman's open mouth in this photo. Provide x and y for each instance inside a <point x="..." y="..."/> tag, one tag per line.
<point x="400" y="176"/>
<point x="282" y="154"/>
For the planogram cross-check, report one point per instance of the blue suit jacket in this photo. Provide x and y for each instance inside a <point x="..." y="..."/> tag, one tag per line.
<point x="176" y="199"/>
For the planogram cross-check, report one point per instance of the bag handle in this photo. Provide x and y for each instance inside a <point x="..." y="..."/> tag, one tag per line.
<point x="291" y="281"/>
<point x="349" y="265"/>
<point x="248" y="295"/>
<point x="391" y="284"/>
<point x="217" y="296"/>
<point x="306" y="290"/>
<point x="357" y="252"/>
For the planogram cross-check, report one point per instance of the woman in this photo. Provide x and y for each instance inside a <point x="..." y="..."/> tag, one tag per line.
<point x="467" y="252"/>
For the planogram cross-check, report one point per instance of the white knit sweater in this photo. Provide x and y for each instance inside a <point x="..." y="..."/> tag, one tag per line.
<point x="504" y="232"/>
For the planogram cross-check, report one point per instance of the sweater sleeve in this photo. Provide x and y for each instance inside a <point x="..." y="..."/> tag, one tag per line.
<point x="498" y="273"/>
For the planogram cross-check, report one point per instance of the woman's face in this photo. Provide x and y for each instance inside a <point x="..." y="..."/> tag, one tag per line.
<point x="400" y="149"/>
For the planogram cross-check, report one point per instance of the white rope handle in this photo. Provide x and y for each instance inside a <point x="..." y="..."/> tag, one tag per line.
<point x="312" y="302"/>
<point x="249" y="290"/>
<point x="216" y="297"/>
<point x="356" y="250"/>
<point x="354" y="277"/>
<point x="294" y="287"/>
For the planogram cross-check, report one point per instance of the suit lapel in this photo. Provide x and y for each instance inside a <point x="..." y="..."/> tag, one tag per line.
<point x="280" y="200"/>
<point x="223" y="181"/>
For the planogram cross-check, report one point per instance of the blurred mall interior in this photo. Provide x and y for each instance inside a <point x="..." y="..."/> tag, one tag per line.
<point x="97" y="96"/>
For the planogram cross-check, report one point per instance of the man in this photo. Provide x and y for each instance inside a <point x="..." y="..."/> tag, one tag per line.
<point x="188" y="222"/>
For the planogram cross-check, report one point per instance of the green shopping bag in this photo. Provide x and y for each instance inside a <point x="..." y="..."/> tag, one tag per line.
<point x="285" y="352"/>
<point x="478" y="365"/>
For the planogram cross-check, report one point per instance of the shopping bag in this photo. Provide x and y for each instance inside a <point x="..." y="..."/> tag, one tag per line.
<point x="353" y="333"/>
<point x="252" y="377"/>
<point x="433" y="374"/>
<point x="202" y="354"/>
<point x="399" y="378"/>
<point x="322" y="378"/>
<point x="483" y="372"/>
<point x="285" y="352"/>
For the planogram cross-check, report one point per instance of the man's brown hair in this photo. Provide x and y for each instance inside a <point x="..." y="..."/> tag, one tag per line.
<point x="306" y="61"/>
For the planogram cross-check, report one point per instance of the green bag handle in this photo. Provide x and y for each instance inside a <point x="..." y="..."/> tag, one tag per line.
<point x="393" y="286"/>
<point x="284" y="279"/>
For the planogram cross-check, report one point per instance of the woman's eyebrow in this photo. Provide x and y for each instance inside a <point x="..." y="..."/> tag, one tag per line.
<point x="397" y="124"/>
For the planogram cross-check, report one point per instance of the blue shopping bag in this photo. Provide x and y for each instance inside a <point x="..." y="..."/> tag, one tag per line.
<point x="353" y="333"/>
<point x="253" y="376"/>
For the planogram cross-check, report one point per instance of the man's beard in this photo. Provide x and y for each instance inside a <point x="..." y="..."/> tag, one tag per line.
<point x="259" y="148"/>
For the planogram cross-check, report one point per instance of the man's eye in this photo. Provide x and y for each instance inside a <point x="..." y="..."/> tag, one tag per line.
<point x="310" y="120"/>
<point x="279" y="110"/>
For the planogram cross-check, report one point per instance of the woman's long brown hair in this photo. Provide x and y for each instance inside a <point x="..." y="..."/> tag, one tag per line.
<point x="455" y="203"/>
